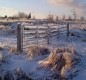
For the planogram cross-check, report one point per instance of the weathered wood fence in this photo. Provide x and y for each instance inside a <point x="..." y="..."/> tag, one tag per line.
<point x="38" y="34"/>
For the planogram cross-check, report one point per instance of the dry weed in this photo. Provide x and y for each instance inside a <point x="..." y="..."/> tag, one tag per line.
<point x="34" y="51"/>
<point x="61" y="60"/>
<point x="12" y="49"/>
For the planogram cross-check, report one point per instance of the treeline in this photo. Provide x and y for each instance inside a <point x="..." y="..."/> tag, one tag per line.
<point x="20" y="15"/>
<point x="48" y="18"/>
<point x="52" y="18"/>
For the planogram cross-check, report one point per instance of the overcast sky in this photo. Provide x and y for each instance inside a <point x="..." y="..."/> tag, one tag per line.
<point x="41" y="8"/>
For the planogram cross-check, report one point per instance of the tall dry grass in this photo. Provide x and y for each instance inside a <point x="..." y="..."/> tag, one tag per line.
<point x="34" y="51"/>
<point x="61" y="60"/>
<point x="13" y="50"/>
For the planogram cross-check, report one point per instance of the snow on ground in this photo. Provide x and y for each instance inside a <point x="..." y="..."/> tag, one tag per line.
<point x="32" y="67"/>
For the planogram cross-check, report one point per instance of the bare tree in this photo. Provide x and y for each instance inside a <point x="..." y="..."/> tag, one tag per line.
<point x="74" y="14"/>
<point x="5" y="16"/>
<point x="70" y="18"/>
<point x="34" y="17"/>
<point x="29" y="16"/>
<point x="57" y="18"/>
<point x="50" y="18"/>
<point x="22" y="15"/>
<point x="63" y="17"/>
<point x="82" y="18"/>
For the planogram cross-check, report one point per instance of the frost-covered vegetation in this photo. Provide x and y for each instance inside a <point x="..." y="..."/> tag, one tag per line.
<point x="34" y="51"/>
<point x="64" y="59"/>
<point x="61" y="61"/>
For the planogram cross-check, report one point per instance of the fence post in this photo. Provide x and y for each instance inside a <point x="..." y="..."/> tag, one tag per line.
<point x="68" y="25"/>
<point x="58" y="32"/>
<point x="19" y="38"/>
<point x="37" y="36"/>
<point x="48" y="35"/>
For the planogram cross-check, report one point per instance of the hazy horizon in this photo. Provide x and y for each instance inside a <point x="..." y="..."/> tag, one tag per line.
<point x="41" y="8"/>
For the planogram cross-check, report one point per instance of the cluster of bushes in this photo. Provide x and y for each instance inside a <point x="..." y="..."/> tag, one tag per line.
<point x="61" y="61"/>
<point x="13" y="50"/>
<point x="2" y="57"/>
<point x="18" y="74"/>
<point x="34" y="51"/>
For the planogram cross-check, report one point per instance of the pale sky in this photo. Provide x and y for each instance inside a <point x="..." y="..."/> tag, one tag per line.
<point x="41" y="8"/>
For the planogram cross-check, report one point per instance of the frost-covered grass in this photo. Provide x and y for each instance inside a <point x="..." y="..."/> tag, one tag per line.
<point x="3" y="59"/>
<point x="15" y="75"/>
<point x="35" y="50"/>
<point x="61" y="61"/>
<point x="55" y="61"/>
<point x="13" y="50"/>
<point x="6" y="30"/>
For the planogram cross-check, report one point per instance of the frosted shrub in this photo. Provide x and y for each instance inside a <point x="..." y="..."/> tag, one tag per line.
<point x="34" y="51"/>
<point x="65" y="71"/>
<point x="15" y="75"/>
<point x="61" y="60"/>
<point x="2" y="27"/>
<point x="12" y="49"/>
<point x="1" y="46"/>
<point x="59" y="50"/>
<point x="8" y="76"/>
<point x="20" y="75"/>
<point x="3" y="59"/>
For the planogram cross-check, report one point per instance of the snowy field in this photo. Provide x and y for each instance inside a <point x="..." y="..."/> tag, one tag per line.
<point x="34" y="64"/>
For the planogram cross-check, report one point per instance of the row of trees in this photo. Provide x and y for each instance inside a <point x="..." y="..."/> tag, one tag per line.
<point x="23" y="15"/>
<point x="20" y="15"/>
<point x="73" y="17"/>
<point x="51" y="17"/>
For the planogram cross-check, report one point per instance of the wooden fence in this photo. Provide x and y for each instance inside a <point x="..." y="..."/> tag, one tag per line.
<point x="38" y="34"/>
